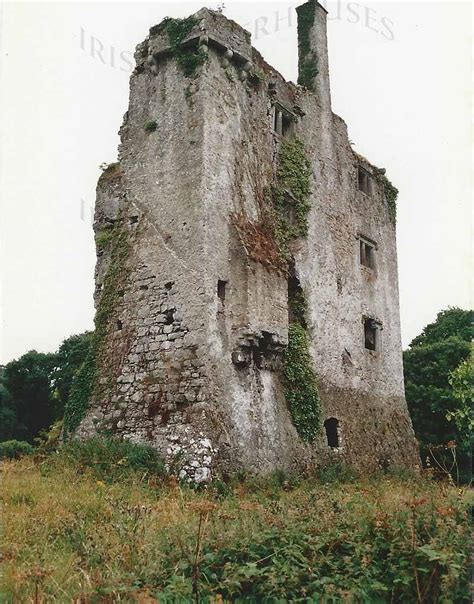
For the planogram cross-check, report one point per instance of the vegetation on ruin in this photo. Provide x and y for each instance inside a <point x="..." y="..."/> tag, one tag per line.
<point x="94" y="525"/>
<point x="110" y="171"/>
<point x="151" y="126"/>
<point x="86" y="384"/>
<point x="307" y="59"/>
<point x="103" y="239"/>
<point x="291" y="190"/>
<point x="301" y="389"/>
<point x="391" y="195"/>
<point x="177" y="31"/>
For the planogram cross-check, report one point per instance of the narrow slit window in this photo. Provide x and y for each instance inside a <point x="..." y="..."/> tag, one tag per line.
<point x="372" y="334"/>
<point x="221" y="290"/>
<point x="364" y="181"/>
<point x="331" y="426"/>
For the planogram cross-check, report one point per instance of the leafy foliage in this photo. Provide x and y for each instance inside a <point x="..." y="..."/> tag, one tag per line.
<point x="69" y="359"/>
<point x="428" y="364"/>
<point x="85" y="384"/>
<point x="307" y="59"/>
<point x="461" y="381"/>
<point x="27" y="403"/>
<point x="301" y="390"/>
<point x="452" y="322"/>
<point x="391" y="195"/>
<point x="14" y="449"/>
<point x="177" y="31"/>
<point x="145" y="538"/>
<point x="151" y="126"/>
<point x="293" y="179"/>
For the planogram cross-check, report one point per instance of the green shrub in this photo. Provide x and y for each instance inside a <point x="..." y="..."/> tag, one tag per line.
<point x="110" y="459"/>
<point x="14" y="449"/>
<point x="151" y="126"/>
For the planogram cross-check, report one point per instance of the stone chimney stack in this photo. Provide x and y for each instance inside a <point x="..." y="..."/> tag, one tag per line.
<point x="313" y="65"/>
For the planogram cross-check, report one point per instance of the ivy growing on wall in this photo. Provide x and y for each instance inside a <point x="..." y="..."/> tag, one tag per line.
<point x="391" y="195"/>
<point x="85" y="384"/>
<point x="301" y="390"/>
<point x="292" y="189"/>
<point x="177" y="31"/>
<point x="307" y="59"/>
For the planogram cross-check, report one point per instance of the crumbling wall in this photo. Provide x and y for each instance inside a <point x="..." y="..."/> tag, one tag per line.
<point x="196" y="342"/>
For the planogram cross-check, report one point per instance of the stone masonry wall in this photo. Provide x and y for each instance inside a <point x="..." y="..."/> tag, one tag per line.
<point x="192" y="361"/>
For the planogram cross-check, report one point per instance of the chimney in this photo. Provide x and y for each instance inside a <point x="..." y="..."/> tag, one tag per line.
<point x="313" y="66"/>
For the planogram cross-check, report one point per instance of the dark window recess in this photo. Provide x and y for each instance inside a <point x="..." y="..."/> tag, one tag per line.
<point x="364" y="181"/>
<point x="283" y="121"/>
<point x="367" y="254"/>
<point x="331" y="426"/>
<point x="169" y="316"/>
<point x="296" y="298"/>
<point x="221" y="287"/>
<point x="372" y="334"/>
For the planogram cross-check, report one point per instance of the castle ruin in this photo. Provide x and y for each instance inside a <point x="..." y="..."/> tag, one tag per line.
<point x="247" y="313"/>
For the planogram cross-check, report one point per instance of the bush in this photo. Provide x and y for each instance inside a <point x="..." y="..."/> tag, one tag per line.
<point x="110" y="459"/>
<point x="14" y="449"/>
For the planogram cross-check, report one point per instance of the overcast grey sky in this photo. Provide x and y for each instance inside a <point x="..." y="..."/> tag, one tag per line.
<point x="400" y="75"/>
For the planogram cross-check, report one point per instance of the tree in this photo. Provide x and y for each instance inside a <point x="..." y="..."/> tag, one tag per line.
<point x="28" y="381"/>
<point x="35" y="388"/>
<point x="8" y="417"/>
<point x="69" y="358"/>
<point x="431" y="358"/>
<point x="462" y="383"/>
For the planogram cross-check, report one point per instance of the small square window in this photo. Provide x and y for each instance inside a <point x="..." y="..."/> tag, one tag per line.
<point x="364" y="181"/>
<point x="372" y="329"/>
<point x="367" y="253"/>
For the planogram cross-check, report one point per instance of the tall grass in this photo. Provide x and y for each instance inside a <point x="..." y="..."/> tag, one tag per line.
<point x="71" y="535"/>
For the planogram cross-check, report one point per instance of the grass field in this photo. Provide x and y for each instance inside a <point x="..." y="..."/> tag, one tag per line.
<point x="72" y="535"/>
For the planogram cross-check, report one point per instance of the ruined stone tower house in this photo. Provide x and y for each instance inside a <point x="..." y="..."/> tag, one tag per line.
<point x="246" y="281"/>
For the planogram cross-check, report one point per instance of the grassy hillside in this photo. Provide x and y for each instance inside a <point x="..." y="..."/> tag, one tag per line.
<point x="72" y="535"/>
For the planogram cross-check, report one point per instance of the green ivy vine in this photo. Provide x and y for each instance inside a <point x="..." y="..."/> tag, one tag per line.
<point x="301" y="389"/>
<point x="86" y="384"/>
<point x="293" y="177"/>
<point x="177" y="31"/>
<point x="307" y="59"/>
<point x="391" y="195"/>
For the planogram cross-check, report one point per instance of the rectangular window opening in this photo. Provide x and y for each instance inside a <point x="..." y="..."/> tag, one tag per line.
<point x="283" y="121"/>
<point x="372" y="334"/>
<point x="367" y="253"/>
<point x="364" y="181"/>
